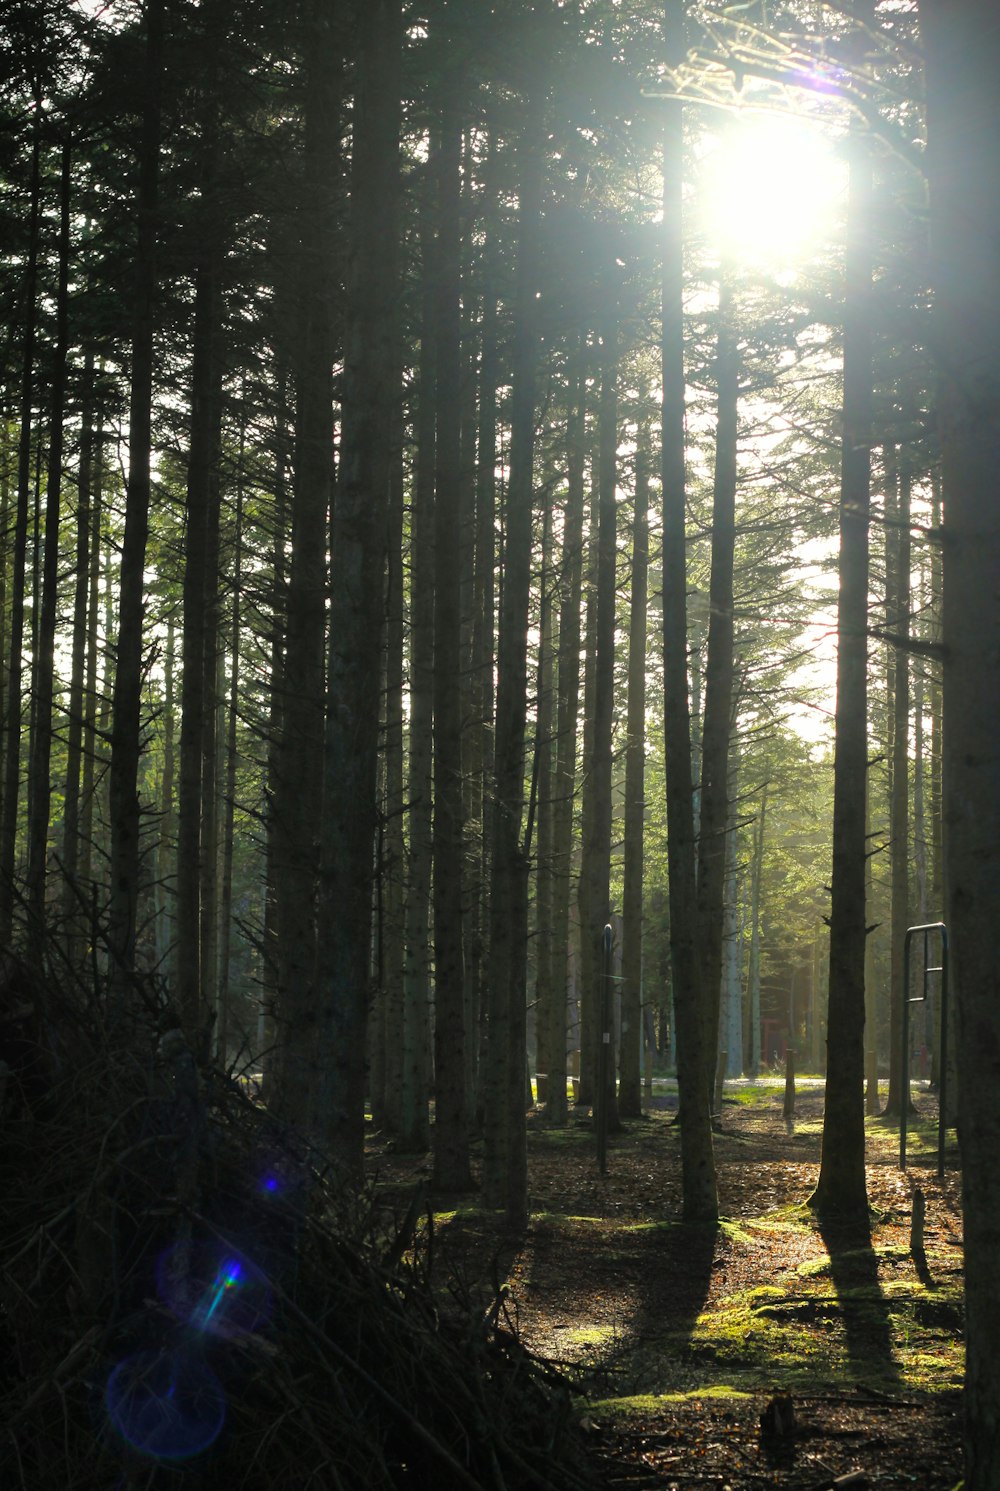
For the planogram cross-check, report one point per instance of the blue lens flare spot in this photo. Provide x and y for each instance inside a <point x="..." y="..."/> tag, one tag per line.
<point x="166" y="1404"/>
<point x="213" y="1291"/>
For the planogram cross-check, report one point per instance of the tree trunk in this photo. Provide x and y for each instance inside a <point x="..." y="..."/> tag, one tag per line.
<point x="544" y="881"/>
<point x="270" y="956"/>
<point x="199" y="644"/>
<point x="126" y="737"/>
<point x="357" y="590"/>
<point x="963" y="62"/>
<point x="898" y="623"/>
<point x="78" y="665"/>
<point x="587" y="986"/>
<point x="227" y="805"/>
<point x="567" y="711"/>
<point x="717" y="727"/>
<point x="841" y="1186"/>
<point x="732" y="983"/>
<point x="595" y="872"/>
<point x="14" y="702"/>
<point x="393" y="942"/>
<point x="416" y="980"/>
<point x="484" y="609"/>
<point x="88" y="786"/>
<point x="700" y="1196"/>
<point x="505" y="1176"/>
<point x="753" y="961"/>
<point x="301" y="1067"/>
<point x="451" y="1125"/>
<point x="43" y="670"/>
<point x="630" y="1091"/>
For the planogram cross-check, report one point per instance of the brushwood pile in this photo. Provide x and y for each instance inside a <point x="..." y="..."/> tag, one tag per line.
<point x="189" y="1296"/>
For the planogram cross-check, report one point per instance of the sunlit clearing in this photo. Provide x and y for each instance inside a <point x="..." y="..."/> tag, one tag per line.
<point x="772" y="190"/>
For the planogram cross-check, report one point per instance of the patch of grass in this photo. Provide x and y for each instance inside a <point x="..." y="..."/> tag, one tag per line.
<point x="793" y="1218"/>
<point x="748" y="1096"/>
<point x="588" y="1335"/>
<point x="647" y="1405"/>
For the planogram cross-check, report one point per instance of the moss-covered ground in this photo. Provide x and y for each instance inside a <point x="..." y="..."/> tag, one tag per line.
<point x="678" y="1336"/>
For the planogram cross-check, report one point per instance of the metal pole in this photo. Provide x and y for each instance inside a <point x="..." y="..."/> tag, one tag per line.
<point x="926" y="928"/>
<point x="601" y="1103"/>
<point x="943" y="1086"/>
<point x="905" y="1060"/>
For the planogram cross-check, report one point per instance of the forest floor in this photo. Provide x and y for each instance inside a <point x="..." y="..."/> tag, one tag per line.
<point x="766" y="1351"/>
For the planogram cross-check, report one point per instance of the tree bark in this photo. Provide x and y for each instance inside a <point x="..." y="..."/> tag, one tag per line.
<point x="841" y="1187"/>
<point x="126" y="740"/>
<point x="630" y="1091"/>
<point x="357" y="589"/>
<point x="719" y="672"/>
<point x="78" y="665"/>
<point x="567" y="711"/>
<point x="416" y="976"/>
<point x="302" y="1065"/>
<point x="199" y="641"/>
<point x="700" y="1196"/>
<point x="14" y="702"/>
<point x="595" y="874"/>
<point x="963" y="63"/>
<point x="43" y="670"/>
<point x="451" y="1123"/>
<point x="505" y="1176"/>
<point x="899" y="785"/>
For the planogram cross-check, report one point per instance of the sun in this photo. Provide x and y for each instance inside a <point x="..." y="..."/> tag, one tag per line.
<point x="772" y="189"/>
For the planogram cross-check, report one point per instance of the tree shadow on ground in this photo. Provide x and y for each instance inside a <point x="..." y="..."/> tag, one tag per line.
<point x="864" y="1308"/>
<point x="671" y="1264"/>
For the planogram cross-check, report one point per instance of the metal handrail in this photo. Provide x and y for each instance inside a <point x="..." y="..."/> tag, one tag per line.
<point x="926" y="928"/>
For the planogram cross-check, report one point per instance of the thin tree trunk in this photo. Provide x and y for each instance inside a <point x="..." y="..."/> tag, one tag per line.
<point x="544" y="875"/>
<point x="14" y="706"/>
<point x="585" y="913"/>
<point x="451" y="1120"/>
<point x="841" y="1186"/>
<point x="228" y="804"/>
<point x="630" y="1092"/>
<point x="393" y="942"/>
<point x="700" y="1197"/>
<point x="597" y="851"/>
<point x="78" y="665"/>
<point x="898" y="623"/>
<point x="91" y="707"/>
<point x="166" y="839"/>
<point x="39" y="779"/>
<point x="270" y="957"/>
<point x="567" y="712"/>
<point x="484" y="604"/>
<point x="753" y="962"/>
<point x="505" y="1175"/>
<point x="416" y="974"/>
<point x="297" y="800"/>
<point x="126" y="736"/>
<point x="719" y="674"/>
<point x="199" y="642"/>
<point x="732" y="990"/>
<point x="357" y="584"/>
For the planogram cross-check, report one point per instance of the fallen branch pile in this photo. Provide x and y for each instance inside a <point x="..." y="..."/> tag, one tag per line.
<point x="184" y="1292"/>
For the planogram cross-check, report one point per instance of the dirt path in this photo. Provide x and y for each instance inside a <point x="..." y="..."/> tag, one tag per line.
<point x="682" y="1336"/>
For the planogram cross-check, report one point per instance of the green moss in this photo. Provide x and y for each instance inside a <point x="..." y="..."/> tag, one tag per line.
<point x="588" y="1335"/>
<point x="647" y="1405"/>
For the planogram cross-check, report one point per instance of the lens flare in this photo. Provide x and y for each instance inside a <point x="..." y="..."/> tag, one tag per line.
<point x="222" y="1294"/>
<point x="166" y="1404"/>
